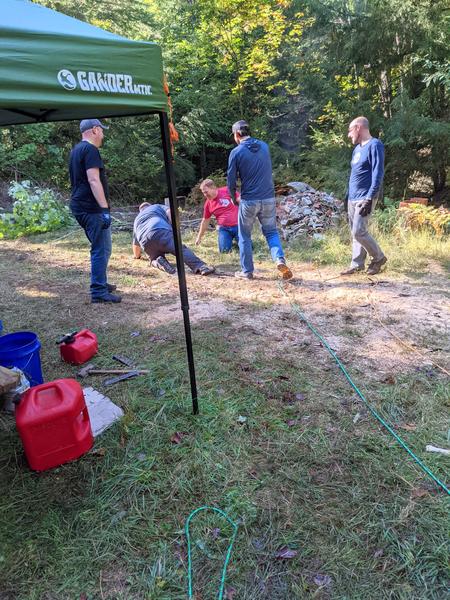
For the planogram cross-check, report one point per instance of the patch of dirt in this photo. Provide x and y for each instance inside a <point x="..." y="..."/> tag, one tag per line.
<point x="199" y="310"/>
<point x="51" y="281"/>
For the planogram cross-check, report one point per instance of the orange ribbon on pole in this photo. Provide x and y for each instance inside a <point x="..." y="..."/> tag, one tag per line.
<point x="174" y="135"/>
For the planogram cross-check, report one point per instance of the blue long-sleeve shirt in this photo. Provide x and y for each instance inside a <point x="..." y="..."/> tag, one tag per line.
<point x="250" y="162"/>
<point x="367" y="171"/>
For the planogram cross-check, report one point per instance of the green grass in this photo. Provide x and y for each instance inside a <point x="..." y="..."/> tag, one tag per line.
<point x="407" y="251"/>
<point x="301" y="472"/>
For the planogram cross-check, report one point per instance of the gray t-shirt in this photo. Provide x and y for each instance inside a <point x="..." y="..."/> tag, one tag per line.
<point x="148" y="221"/>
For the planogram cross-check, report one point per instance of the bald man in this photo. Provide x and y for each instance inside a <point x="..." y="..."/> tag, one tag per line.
<point x="364" y="188"/>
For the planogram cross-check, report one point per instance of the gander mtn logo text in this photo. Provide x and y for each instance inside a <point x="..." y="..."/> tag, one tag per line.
<point x="92" y="81"/>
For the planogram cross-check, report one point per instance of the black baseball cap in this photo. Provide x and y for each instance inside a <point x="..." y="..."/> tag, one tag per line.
<point x="239" y="126"/>
<point x="86" y="124"/>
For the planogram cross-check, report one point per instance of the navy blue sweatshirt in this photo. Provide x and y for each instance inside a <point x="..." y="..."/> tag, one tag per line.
<point x="250" y="162"/>
<point x="367" y="171"/>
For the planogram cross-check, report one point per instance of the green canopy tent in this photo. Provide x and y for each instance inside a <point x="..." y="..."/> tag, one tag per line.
<point x="56" y="68"/>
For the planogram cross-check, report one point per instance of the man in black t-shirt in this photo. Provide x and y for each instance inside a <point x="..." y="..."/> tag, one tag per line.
<point x="90" y="205"/>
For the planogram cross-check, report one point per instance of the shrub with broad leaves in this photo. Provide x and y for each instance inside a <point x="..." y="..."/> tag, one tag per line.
<point x="35" y="210"/>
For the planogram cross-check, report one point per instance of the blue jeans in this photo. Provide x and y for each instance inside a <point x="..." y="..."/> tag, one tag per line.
<point x="101" y="246"/>
<point x="162" y="243"/>
<point x="265" y="211"/>
<point x="225" y="237"/>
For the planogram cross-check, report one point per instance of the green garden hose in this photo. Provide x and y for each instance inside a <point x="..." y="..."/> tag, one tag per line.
<point x="189" y="549"/>
<point x="424" y="468"/>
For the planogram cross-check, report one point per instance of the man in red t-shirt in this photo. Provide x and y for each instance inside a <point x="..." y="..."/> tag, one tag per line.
<point x="219" y="205"/>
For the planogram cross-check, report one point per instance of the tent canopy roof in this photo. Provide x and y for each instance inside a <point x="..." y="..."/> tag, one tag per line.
<point x="56" y="68"/>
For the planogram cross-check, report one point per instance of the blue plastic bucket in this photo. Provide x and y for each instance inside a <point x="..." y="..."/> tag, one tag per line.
<point x="21" y="350"/>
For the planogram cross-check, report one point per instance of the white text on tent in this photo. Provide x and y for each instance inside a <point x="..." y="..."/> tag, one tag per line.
<point x="115" y="83"/>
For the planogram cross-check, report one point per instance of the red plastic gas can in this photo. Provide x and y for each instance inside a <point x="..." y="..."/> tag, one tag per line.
<point x="53" y="423"/>
<point x="83" y="347"/>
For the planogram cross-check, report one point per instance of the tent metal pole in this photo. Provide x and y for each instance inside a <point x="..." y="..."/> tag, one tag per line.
<point x="170" y="176"/>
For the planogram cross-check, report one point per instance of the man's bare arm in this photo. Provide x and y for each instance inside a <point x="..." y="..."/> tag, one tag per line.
<point x="203" y="227"/>
<point x="137" y="252"/>
<point x="93" y="177"/>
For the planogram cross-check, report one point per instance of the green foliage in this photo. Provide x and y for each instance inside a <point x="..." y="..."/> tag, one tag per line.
<point x="386" y="220"/>
<point x="35" y="210"/>
<point x="297" y="70"/>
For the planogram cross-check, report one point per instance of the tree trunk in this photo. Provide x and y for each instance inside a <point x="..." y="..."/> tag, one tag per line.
<point x="385" y="94"/>
<point x="439" y="178"/>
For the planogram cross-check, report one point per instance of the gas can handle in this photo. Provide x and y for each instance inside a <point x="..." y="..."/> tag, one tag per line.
<point x="67" y="338"/>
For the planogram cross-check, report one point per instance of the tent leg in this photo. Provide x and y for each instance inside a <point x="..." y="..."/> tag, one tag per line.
<point x="170" y="176"/>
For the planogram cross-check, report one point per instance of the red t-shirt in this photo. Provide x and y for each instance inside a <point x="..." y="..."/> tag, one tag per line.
<point x="222" y="208"/>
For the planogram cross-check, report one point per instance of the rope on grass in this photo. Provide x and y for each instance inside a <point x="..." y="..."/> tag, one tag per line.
<point x="395" y="435"/>
<point x="63" y="237"/>
<point x="189" y="548"/>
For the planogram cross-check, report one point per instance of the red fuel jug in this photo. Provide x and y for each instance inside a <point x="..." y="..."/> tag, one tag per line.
<point x="53" y="423"/>
<point x="80" y="347"/>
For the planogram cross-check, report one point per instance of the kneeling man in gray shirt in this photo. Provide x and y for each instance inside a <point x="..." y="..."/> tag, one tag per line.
<point x="152" y="232"/>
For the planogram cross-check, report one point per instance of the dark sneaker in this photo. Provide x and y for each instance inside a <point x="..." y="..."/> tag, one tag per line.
<point x="205" y="270"/>
<point x="375" y="266"/>
<point x="284" y="270"/>
<point x="243" y="275"/>
<point x="111" y="287"/>
<point x="110" y="298"/>
<point x="163" y="264"/>
<point x="352" y="271"/>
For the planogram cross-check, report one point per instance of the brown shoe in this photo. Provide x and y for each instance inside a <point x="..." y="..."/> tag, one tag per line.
<point x="375" y="266"/>
<point x="351" y="271"/>
<point x="284" y="271"/>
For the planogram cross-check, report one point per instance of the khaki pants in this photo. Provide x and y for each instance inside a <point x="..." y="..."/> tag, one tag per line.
<point x="363" y="243"/>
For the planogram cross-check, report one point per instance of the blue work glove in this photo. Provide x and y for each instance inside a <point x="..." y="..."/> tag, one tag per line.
<point x="366" y="207"/>
<point x="106" y="218"/>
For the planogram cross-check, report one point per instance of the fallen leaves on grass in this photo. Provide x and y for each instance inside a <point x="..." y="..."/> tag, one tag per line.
<point x="408" y="427"/>
<point x="291" y="397"/>
<point x="178" y="437"/>
<point x="181" y="552"/>
<point x="283" y="377"/>
<point x="419" y="493"/>
<point x="285" y="553"/>
<point x="98" y="452"/>
<point x="230" y="593"/>
<point x="160" y="338"/>
<point x="322" y="580"/>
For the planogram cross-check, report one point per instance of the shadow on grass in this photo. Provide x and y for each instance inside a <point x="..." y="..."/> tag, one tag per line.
<point x="307" y="468"/>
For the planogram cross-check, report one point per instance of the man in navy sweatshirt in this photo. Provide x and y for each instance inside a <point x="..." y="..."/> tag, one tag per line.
<point x="364" y="187"/>
<point x="250" y="162"/>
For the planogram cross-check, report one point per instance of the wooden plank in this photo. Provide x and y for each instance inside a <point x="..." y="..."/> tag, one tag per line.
<point x="8" y="380"/>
